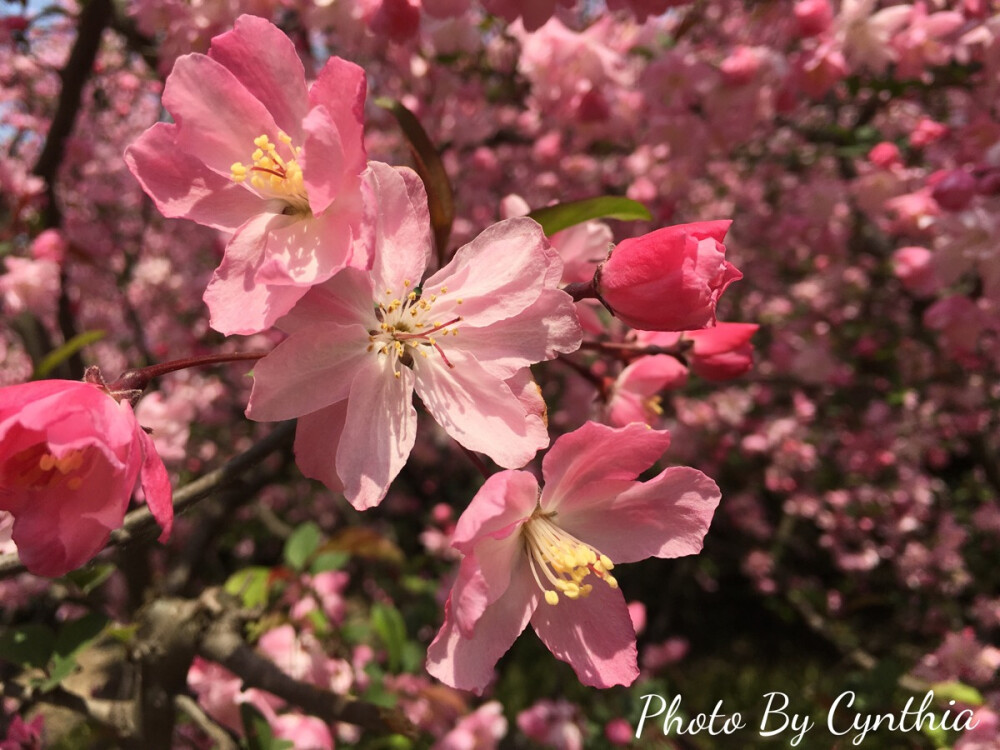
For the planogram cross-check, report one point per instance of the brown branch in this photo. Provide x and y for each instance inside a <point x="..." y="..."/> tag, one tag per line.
<point x="223" y="644"/>
<point x="94" y="18"/>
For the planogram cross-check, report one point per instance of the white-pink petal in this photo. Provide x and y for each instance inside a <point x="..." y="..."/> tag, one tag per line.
<point x="381" y="427"/>
<point x="477" y="409"/>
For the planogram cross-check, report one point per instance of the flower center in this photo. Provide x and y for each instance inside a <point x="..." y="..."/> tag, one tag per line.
<point x="274" y="176"/>
<point x="35" y="468"/>
<point x="562" y="559"/>
<point x="407" y="326"/>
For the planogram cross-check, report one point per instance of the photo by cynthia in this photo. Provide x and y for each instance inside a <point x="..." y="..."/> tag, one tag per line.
<point x="345" y="340"/>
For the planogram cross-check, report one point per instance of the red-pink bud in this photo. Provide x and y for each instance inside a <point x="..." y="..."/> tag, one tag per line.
<point x="952" y="188"/>
<point x="813" y="16"/>
<point x="670" y="279"/>
<point x="885" y="155"/>
<point x="70" y="457"/>
<point x="723" y="352"/>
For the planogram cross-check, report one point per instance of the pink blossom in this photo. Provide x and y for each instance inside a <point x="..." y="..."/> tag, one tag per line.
<point x="70" y="458"/>
<point x="24" y="735"/>
<point x="533" y="13"/>
<point x="547" y="558"/>
<point x="396" y="20"/>
<point x="926" y="132"/>
<point x="253" y="152"/>
<point x="953" y="189"/>
<point x="914" y="267"/>
<point x="363" y="342"/>
<point x="481" y="730"/>
<point x="30" y="285"/>
<point x="670" y="279"/>
<point x="619" y="732"/>
<point x="49" y="245"/>
<point x="984" y="733"/>
<point x="304" y="732"/>
<point x="724" y="352"/>
<point x="813" y="16"/>
<point x="633" y="395"/>
<point x="554" y="724"/>
<point x="885" y="155"/>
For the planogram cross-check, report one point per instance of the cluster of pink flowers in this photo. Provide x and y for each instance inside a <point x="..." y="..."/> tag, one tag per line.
<point x="332" y="251"/>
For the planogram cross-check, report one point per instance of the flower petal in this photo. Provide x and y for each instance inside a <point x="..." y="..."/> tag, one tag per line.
<point x="403" y="227"/>
<point x="593" y="635"/>
<point x="346" y="299"/>
<point x="497" y="275"/>
<point x="237" y="302"/>
<point x="467" y="662"/>
<point x="156" y="485"/>
<point x="549" y="326"/>
<point x="381" y="428"/>
<point x="306" y="252"/>
<point x="186" y="188"/>
<point x="217" y="117"/>
<point x="478" y="409"/>
<point x="322" y="160"/>
<point x="341" y="88"/>
<point x="505" y="500"/>
<point x="596" y="453"/>
<point x="483" y="577"/>
<point x="668" y="516"/>
<point x="317" y="438"/>
<point x="265" y="62"/>
<point x="308" y="371"/>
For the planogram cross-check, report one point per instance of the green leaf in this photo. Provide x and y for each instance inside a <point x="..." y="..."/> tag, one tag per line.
<point x="58" y="356"/>
<point x="251" y="585"/>
<point x="958" y="692"/>
<point x="440" y="196"/>
<point x="90" y="577"/>
<point x="391" y="629"/>
<point x="27" y="645"/>
<point x="300" y="546"/>
<point x="564" y="215"/>
<point x="258" y="731"/>
<point x="327" y="561"/>
<point x="73" y="638"/>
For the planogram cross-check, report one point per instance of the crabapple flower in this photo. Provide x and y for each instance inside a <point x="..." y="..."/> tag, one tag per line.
<point x="670" y="279"/>
<point x="720" y="353"/>
<point x="634" y="395"/>
<point x="253" y="152"/>
<point x="363" y="342"/>
<point x="70" y="457"/>
<point x="547" y="558"/>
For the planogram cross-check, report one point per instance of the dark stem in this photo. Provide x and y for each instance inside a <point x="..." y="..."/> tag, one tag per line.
<point x="587" y="374"/>
<point x="631" y="351"/>
<point x="138" y="379"/>
<point x="579" y="290"/>
<point x="476" y="461"/>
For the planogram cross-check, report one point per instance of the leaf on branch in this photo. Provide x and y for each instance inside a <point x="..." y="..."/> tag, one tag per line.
<point x="440" y="196"/>
<point x="365" y="543"/>
<point x="301" y="545"/>
<point x="391" y="629"/>
<point x="251" y="585"/>
<point x="259" y="735"/>
<point x="64" y="352"/>
<point x="72" y="639"/>
<point x="564" y="215"/>
<point x="27" y="645"/>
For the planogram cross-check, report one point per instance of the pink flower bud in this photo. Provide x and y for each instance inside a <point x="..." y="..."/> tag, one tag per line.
<point x="813" y="16"/>
<point x="49" y="245"/>
<point x="885" y="155"/>
<point x="740" y="67"/>
<point x="914" y="267"/>
<point x="618" y="732"/>
<point x="723" y="352"/>
<point x="70" y="457"/>
<point x="926" y="132"/>
<point x="670" y="279"/>
<point x="952" y="188"/>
